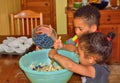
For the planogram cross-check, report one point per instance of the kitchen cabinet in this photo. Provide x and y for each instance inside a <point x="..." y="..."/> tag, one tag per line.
<point x="47" y="7"/>
<point x="109" y="21"/>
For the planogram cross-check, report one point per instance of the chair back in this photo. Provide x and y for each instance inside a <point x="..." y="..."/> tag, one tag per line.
<point x="23" y="22"/>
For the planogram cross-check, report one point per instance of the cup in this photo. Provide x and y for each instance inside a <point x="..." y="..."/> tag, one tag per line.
<point x="77" y="4"/>
<point x="44" y="36"/>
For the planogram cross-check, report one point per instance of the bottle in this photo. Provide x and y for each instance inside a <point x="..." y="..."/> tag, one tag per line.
<point x="84" y="2"/>
<point x="118" y="2"/>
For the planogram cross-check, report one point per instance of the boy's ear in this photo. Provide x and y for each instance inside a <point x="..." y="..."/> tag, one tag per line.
<point x="93" y="28"/>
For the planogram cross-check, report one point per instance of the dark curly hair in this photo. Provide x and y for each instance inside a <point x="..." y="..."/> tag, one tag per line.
<point x="97" y="44"/>
<point x="90" y="14"/>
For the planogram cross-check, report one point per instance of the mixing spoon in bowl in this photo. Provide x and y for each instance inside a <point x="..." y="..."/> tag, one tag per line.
<point x="52" y="60"/>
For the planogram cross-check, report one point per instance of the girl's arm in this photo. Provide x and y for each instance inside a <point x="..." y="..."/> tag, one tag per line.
<point x="71" y="65"/>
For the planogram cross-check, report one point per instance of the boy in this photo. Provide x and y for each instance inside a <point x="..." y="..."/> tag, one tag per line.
<point x="86" y="20"/>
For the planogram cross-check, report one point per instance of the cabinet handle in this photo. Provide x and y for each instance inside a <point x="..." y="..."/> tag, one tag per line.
<point x="46" y="4"/>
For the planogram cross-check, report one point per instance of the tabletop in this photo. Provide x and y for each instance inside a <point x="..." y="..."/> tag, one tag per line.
<point x="10" y="71"/>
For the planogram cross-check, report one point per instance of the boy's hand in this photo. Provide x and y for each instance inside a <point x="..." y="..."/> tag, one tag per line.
<point x="58" y="43"/>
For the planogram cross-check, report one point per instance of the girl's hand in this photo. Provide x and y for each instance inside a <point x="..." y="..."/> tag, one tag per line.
<point x="52" y="53"/>
<point x="58" y="43"/>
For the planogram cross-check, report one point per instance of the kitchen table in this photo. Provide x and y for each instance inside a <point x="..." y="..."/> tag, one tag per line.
<point x="10" y="71"/>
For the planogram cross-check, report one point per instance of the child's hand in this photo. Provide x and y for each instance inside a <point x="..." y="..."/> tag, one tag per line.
<point x="52" y="53"/>
<point x="58" y="43"/>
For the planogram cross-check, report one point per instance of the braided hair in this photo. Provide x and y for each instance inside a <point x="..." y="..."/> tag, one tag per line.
<point x="97" y="44"/>
<point x="90" y="14"/>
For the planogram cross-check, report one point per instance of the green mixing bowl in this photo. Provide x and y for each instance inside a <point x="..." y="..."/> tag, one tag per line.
<point x="41" y="56"/>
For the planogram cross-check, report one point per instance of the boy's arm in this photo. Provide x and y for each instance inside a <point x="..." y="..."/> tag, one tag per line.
<point x="71" y="44"/>
<point x="69" y="47"/>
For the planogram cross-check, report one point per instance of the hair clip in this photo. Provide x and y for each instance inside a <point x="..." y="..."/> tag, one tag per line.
<point x="109" y="39"/>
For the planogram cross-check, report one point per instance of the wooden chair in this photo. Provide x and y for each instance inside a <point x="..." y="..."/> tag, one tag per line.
<point x="23" y="22"/>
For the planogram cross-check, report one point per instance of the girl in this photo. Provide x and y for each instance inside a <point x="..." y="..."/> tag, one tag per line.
<point x="93" y="50"/>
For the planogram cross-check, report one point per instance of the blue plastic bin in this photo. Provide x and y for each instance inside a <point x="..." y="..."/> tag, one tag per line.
<point x="41" y="56"/>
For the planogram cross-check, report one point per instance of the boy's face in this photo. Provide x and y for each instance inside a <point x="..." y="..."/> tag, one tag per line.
<point x="81" y="27"/>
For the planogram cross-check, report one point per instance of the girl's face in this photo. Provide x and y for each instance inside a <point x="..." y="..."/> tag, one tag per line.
<point x="85" y="60"/>
<point x="82" y="58"/>
<point x="81" y="27"/>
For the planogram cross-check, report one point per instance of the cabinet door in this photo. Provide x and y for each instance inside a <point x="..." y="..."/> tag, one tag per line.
<point x="70" y="26"/>
<point x="47" y="7"/>
<point x="115" y="56"/>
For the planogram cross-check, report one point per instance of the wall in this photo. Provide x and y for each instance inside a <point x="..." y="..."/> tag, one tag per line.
<point x="7" y="7"/>
<point x="13" y="6"/>
<point x="61" y="16"/>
